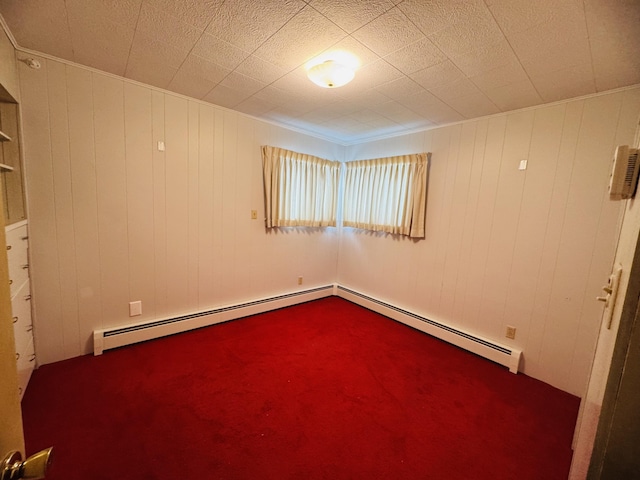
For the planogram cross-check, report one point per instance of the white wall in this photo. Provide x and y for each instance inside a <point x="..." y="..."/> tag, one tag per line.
<point x="113" y="220"/>
<point x="507" y="247"/>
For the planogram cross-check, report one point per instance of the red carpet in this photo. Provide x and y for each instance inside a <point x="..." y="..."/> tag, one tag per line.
<point x="324" y="390"/>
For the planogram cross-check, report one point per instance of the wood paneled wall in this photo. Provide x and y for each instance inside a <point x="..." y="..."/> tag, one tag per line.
<point x="114" y="220"/>
<point x="527" y="248"/>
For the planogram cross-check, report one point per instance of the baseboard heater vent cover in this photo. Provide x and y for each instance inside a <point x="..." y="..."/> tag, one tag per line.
<point x="109" y="338"/>
<point x="503" y="355"/>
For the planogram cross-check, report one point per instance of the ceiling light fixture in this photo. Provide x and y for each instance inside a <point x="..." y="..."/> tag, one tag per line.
<point x="332" y="69"/>
<point x="330" y="74"/>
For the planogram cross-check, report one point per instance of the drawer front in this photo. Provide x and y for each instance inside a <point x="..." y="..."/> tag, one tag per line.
<point x="17" y="257"/>
<point x="21" y="309"/>
<point x="26" y="363"/>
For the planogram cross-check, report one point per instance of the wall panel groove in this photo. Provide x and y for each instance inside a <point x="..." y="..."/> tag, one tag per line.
<point x="113" y="219"/>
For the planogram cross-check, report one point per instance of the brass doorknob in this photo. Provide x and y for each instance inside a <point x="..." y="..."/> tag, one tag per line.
<point x="33" y="468"/>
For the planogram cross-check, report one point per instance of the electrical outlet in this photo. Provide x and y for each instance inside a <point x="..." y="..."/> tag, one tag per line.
<point x="254" y="214"/>
<point x="511" y="332"/>
<point x="135" y="308"/>
<point x="299" y="280"/>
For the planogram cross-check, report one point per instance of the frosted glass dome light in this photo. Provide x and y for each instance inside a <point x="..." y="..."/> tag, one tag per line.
<point x="330" y="74"/>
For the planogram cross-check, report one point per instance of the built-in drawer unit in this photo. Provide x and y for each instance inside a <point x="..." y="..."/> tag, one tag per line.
<point x="18" y="260"/>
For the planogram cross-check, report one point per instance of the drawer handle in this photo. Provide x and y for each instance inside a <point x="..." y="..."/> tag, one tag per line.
<point x="32" y="357"/>
<point x="10" y="282"/>
<point x="17" y="356"/>
<point x="19" y="390"/>
<point x="15" y="319"/>
<point x="25" y="266"/>
<point x="25" y="238"/>
<point x="27" y="298"/>
<point x="8" y="247"/>
<point x="29" y="328"/>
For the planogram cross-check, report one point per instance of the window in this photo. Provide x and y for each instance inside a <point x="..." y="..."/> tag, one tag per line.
<point x="387" y="194"/>
<point x="300" y="190"/>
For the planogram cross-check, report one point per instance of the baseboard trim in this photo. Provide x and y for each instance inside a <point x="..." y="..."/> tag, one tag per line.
<point x="106" y="339"/>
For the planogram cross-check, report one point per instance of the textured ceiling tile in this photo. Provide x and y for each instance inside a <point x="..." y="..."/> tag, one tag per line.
<point x="302" y="38"/>
<point x="349" y="44"/>
<point x="277" y="96"/>
<point x="340" y="108"/>
<point x="503" y="75"/>
<point x="614" y="33"/>
<point x="619" y="18"/>
<point x="613" y="68"/>
<point x="366" y="98"/>
<point x="514" y="95"/>
<point x="378" y="121"/>
<point x="370" y="76"/>
<point x="39" y="25"/>
<point x="320" y="115"/>
<point x="254" y="106"/>
<point x="242" y="83"/>
<point x="388" y="33"/>
<point x="366" y="116"/>
<point x="161" y="26"/>
<point x="219" y="51"/>
<point x="149" y="72"/>
<point x="323" y="113"/>
<point x="400" y="88"/>
<point x="348" y="123"/>
<point x="474" y="105"/>
<point x="440" y="113"/>
<point x="569" y="82"/>
<point x="247" y="24"/>
<point x="401" y="114"/>
<point x="433" y="16"/>
<point x="144" y="48"/>
<point x="199" y="67"/>
<point x="515" y="16"/>
<point x="552" y="46"/>
<point x="190" y="85"/>
<point x="259" y="69"/>
<point x="459" y="88"/>
<point x="194" y="12"/>
<point x="469" y="34"/>
<point x="486" y="59"/>
<point x="563" y="47"/>
<point x="298" y="84"/>
<point x="100" y="43"/>
<point x="225" y="96"/>
<point x="350" y="16"/>
<point x="416" y="56"/>
<point x="442" y="73"/>
<point x="419" y="101"/>
<point x="297" y="81"/>
<point x="124" y="12"/>
<point x="282" y="111"/>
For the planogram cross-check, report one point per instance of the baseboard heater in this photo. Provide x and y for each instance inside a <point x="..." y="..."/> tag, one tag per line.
<point x="109" y="338"/>
<point x="503" y="355"/>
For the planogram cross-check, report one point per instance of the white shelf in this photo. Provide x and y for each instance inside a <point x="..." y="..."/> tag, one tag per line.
<point x="4" y="137"/>
<point x="5" y="168"/>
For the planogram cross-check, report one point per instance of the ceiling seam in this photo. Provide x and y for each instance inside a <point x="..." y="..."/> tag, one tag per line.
<point x="513" y="50"/>
<point x="135" y="30"/>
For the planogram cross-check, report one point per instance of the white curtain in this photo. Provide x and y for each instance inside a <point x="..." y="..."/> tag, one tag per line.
<point x="300" y="190"/>
<point x="387" y="194"/>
